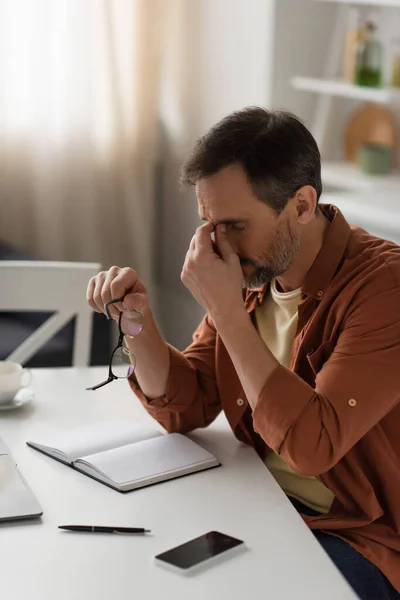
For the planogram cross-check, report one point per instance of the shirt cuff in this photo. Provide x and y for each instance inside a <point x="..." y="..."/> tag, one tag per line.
<point x="280" y="404"/>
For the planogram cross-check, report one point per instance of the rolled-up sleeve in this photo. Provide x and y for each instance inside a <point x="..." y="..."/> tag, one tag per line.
<point x="312" y="429"/>
<point x="192" y="398"/>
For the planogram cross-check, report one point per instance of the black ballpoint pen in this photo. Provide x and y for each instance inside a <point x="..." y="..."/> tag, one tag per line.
<point x="100" y="529"/>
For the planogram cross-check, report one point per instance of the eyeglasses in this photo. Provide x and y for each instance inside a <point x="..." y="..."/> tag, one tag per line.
<point x="122" y="361"/>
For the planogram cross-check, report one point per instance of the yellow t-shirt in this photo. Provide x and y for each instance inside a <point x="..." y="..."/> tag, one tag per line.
<point x="276" y="322"/>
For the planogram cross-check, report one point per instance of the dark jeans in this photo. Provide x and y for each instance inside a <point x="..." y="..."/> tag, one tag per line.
<point x="366" y="579"/>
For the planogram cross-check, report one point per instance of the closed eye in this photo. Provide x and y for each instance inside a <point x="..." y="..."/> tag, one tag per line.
<point x="236" y="226"/>
<point x="230" y="224"/>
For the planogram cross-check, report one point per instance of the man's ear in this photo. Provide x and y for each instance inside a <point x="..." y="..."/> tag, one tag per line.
<point x="306" y="204"/>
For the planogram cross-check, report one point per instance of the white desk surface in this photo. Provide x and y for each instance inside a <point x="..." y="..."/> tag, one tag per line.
<point x="240" y="498"/>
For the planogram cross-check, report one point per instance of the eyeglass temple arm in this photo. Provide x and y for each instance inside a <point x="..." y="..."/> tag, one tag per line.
<point x="107" y="304"/>
<point x="99" y="385"/>
<point x="111" y="377"/>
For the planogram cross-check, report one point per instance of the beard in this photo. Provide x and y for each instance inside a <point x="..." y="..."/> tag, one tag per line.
<point x="276" y="261"/>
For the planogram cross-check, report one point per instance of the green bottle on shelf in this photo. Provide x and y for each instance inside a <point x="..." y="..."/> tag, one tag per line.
<point x="369" y="58"/>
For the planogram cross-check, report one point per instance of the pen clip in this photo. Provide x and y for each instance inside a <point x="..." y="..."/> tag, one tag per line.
<point x="131" y="532"/>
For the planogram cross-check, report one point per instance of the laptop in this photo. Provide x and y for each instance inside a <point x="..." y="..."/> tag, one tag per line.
<point x="16" y="499"/>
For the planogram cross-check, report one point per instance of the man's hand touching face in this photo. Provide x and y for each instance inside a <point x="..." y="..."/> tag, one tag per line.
<point x="212" y="272"/>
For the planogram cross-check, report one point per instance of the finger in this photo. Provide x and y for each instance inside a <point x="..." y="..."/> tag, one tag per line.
<point x="100" y="278"/>
<point x="126" y="280"/>
<point x="135" y="302"/>
<point x="223" y="244"/>
<point x="90" y="293"/>
<point x="203" y="239"/>
<point x="132" y="322"/>
<point x="106" y="292"/>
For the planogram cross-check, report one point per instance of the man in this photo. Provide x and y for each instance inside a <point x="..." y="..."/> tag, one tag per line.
<point x="304" y="356"/>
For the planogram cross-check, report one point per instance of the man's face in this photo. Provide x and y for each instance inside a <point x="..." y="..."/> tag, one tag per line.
<point x="266" y="244"/>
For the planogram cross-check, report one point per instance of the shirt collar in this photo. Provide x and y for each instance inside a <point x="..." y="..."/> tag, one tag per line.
<point x="324" y="266"/>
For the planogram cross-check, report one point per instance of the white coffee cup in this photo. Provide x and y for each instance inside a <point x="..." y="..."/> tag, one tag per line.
<point x="12" y="378"/>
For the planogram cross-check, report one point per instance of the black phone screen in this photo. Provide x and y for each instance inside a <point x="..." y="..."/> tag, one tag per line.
<point x="199" y="549"/>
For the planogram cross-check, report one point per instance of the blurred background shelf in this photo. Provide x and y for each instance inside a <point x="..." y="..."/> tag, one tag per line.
<point x="380" y="215"/>
<point x="347" y="176"/>
<point x="344" y="89"/>
<point x="335" y="110"/>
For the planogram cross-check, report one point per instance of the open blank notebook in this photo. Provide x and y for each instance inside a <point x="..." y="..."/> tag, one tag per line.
<point x="126" y="455"/>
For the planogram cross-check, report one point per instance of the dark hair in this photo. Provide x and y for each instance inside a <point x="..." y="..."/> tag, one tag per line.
<point x="276" y="151"/>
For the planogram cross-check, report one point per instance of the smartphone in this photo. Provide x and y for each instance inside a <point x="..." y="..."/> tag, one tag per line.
<point x="200" y="552"/>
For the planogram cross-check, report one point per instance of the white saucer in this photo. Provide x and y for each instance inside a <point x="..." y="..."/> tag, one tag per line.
<point x="21" y="398"/>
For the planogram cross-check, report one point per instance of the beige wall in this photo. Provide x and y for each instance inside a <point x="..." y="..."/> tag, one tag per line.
<point x="224" y="53"/>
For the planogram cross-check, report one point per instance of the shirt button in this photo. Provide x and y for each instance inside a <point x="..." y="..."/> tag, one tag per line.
<point x="320" y="293"/>
<point x="240" y="401"/>
<point x="352" y="402"/>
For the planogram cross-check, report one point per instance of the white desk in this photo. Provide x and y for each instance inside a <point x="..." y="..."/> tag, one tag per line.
<point x="241" y="498"/>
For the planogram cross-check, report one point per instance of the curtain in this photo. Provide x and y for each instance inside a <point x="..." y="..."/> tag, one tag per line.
<point x="79" y="99"/>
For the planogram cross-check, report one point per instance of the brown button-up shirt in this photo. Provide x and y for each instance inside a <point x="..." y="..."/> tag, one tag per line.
<point x="335" y="414"/>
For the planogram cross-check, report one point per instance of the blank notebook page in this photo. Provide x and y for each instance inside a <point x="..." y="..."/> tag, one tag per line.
<point x="91" y="439"/>
<point x="142" y="460"/>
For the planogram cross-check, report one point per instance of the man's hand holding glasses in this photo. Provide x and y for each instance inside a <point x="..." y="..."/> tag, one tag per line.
<point x="120" y="295"/>
<point x="127" y="310"/>
<point x="130" y="324"/>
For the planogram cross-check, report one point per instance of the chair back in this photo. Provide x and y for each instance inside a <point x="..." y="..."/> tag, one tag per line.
<point x="59" y="287"/>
